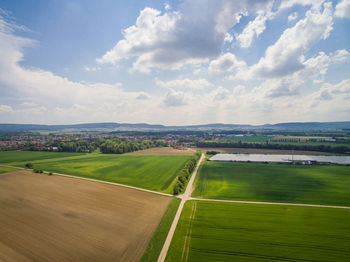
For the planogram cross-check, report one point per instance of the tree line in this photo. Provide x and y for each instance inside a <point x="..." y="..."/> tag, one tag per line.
<point x="117" y="146"/>
<point x="185" y="173"/>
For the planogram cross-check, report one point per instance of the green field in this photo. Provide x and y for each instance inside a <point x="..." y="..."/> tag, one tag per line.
<point x="4" y="169"/>
<point x="21" y="156"/>
<point x="155" y="172"/>
<point x="246" y="139"/>
<point x="156" y="243"/>
<point x="209" y="231"/>
<point x="314" y="184"/>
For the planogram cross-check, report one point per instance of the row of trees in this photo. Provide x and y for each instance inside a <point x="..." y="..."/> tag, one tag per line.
<point x="320" y="148"/>
<point x="117" y="146"/>
<point x="185" y="173"/>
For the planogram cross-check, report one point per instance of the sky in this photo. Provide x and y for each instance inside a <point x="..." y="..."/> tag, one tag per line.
<point x="174" y="62"/>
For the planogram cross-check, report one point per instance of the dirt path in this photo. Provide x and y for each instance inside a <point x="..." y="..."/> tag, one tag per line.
<point x="267" y="203"/>
<point x="186" y="196"/>
<point x="99" y="181"/>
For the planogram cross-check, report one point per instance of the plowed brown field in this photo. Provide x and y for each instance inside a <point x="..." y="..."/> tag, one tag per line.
<point x="52" y="218"/>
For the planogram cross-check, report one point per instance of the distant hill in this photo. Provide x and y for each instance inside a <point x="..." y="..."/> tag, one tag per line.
<point x="143" y="126"/>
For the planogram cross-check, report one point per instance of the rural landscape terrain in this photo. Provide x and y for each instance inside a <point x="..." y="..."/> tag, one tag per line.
<point x="156" y="195"/>
<point x="175" y="131"/>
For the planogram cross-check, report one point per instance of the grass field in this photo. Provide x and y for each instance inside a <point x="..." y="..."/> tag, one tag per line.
<point x="4" y="169"/>
<point x="315" y="184"/>
<point x="155" y="245"/>
<point x="155" y="172"/>
<point x="53" y="218"/>
<point x="21" y="156"/>
<point x="245" y="232"/>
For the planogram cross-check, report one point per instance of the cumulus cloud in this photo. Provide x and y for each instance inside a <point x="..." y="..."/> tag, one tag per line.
<point x="293" y="16"/>
<point x="286" y="56"/>
<point x="343" y="9"/>
<point x="221" y="93"/>
<point x="226" y="63"/>
<point x="174" y="98"/>
<point x="254" y="28"/>
<point x="228" y="38"/>
<point x="173" y="39"/>
<point x="185" y="83"/>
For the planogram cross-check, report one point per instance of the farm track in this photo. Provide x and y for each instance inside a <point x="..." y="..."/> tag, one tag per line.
<point x="186" y="196"/>
<point x="100" y="181"/>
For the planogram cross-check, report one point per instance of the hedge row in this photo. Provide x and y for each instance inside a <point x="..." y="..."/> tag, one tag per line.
<point x="185" y="173"/>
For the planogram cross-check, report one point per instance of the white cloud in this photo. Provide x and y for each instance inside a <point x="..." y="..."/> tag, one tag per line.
<point x="289" y="3"/>
<point x="228" y="38"/>
<point x="254" y="28"/>
<point x="221" y="93"/>
<point x="226" y="63"/>
<point x="92" y="69"/>
<point x="293" y="16"/>
<point x="167" y="6"/>
<point x="286" y="56"/>
<point x="173" y="39"/>
<point x="185" y="83"/>
<point x="343" y="9"/>
<point x="143" y="96"/>
<point x="174" y="98"/>
<point x="5" y="109"/>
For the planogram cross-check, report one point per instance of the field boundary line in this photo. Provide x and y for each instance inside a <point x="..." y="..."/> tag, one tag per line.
<point x="98" y="181"/>
<point x="268" y="203"/>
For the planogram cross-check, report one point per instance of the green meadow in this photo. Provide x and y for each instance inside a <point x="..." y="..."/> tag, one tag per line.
<point x="21" y="156"/>
<point x="4" y="169"/>
<point x="212" y="231"/>
<point x="314" y="184"/>
<point x="155" y="172"/>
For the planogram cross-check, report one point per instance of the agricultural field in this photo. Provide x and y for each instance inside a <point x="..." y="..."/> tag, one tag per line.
<point x="4" y="169"/>
<point x="312" y="184"/>
<point x="53" y="218"/>
<point x="155" y="172"/>
<point x="162" y="151"/>
<point x="247" y="139"/>
<point x="212" y="231"/>
<point x="20" y="156"/>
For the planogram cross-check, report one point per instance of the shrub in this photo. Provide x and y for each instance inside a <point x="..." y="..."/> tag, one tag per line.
<point x="29" y="165"/>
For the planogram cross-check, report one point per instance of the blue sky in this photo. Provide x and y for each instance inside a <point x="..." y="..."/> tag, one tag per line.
<point x="174" y="62"/>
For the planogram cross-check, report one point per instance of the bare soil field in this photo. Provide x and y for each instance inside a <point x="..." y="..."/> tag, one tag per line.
<point x="163" y="151"/>
<point x="52" y="218"/>
<point x="262" y="151"/>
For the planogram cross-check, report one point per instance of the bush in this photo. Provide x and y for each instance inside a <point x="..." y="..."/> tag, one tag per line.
<point x="29" y="165"/>
<point x="50" y="174"/>
<point x="38" y="171"/>
<point x="185" y="173"/>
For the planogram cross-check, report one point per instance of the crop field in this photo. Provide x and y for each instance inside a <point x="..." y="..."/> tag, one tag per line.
<point x="53" y="218"/>
<point x="313" y="184"/>
<point x="162" y="151"/>
<point x="209" y="231"/>
<point x="20" y="156"/>
<point x="4" y="169"/>
<point x="155" y="172"/>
